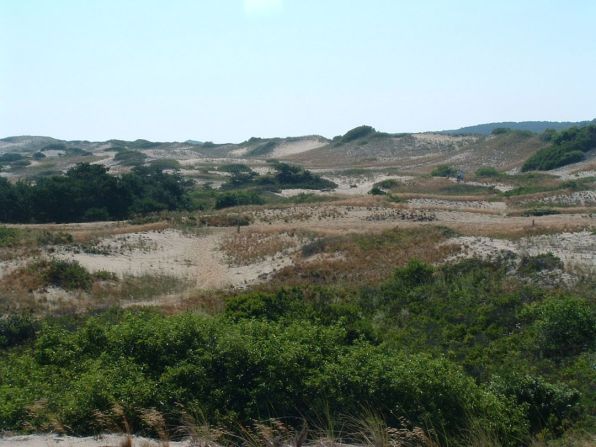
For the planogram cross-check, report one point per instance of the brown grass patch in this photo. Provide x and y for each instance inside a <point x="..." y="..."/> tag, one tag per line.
<point x="365" y="258"/>
<point x="249" y="247"/>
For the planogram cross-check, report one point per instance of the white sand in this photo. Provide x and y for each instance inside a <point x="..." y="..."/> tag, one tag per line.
<point x="195" y="258"/>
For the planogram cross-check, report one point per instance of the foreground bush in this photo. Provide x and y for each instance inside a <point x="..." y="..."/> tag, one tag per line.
<point x="235" y="372"/>
<point x="459" y="349"/>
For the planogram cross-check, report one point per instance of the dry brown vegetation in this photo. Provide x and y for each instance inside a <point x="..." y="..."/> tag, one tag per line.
<point x="364" y="258"/>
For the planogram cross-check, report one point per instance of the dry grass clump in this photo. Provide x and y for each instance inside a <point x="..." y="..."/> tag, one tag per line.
<point x="249" y="247"/>
<point x="297" y="213"/>
<point x="370" y="429"/>
<point x="137" y="287"/>
<point x="224" y="220"/>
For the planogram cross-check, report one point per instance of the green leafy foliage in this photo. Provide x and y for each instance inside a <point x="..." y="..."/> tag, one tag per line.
<point x="87" y="193"/>
<point x="565" y="327"/>
<point x="69" y="275"/>
<point x="10" y="236"/>
<point x="130" y="158"/>
<point x="357" y="133"/>
<point x="285" y="176"/>
<point x="10" y="157"/>
<point x="487" y="171"/>
<point x="547" y="406"/>
<point x="538" y="263"/>
<point x="376" y="191"/>
<point x="16" y="329"/>
<point x="449" y="347"/>
<point x="238" y="198"/>
<point x="568" y="146"/>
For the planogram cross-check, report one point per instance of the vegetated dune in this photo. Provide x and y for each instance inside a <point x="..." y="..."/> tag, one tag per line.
<point x="413" y="152"/>
<point x="421" y="152"/>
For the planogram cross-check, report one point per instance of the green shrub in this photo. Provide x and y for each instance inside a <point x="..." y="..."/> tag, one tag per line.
<point x="376" y="191"/>
<point x="69" y="275"/>
<point x="568" y="146"/>
<point x="547" y="406"/>
<point x="130" y="158"/>
<point x="10" y="236"/>
<point x="540" y="212"/>
<point x="428" y="392"/>
<point x="487" y="172"/>
<point x="387" y="184"/>
<point x="357" y="133"/>
<point x="565" y="327"/>
<point x="263" y="149"/>
<point x="444" y="171"/>
<point x="16" y="329"/>
<point x="77" y="152"/>
<point x="11" y="157"/>
<point x="165" y="163"/>
<point x="237" y="372"/>
<point x="538" y="263"/>
<point x="238" y="198"/>
<point x="235" y="168"/>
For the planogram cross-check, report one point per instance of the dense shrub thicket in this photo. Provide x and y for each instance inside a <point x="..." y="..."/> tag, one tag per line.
<point x="285" y="176"/>
<point x="450" y="349"/>
<point x="87" y="193"/>
<point x="568" y="146"/>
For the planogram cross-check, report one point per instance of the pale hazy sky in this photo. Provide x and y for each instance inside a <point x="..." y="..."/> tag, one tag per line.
<point x="225" y="70"/>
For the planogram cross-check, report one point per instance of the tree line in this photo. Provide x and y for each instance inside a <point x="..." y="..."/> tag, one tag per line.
<point x="88" y="193"/>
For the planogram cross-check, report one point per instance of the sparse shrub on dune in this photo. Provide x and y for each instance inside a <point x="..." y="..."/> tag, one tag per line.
<point x="444" y="171"/>
<point x="68" y="275"/>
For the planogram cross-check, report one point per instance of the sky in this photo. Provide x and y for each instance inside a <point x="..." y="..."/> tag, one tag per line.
<point x="226" y="70"/>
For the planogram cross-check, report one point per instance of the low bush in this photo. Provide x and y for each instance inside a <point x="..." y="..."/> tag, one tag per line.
<point x="538" y="263"/>
<point x="444" y="171"/>
<point x="452" y="348"/>
<point x="130" y="158"/>
<point x="16" y="329"/>
<point x="541" y="212"/>
<point x="547" y="406"/>
<point x="376" y="191"/>
<point x="565" y="327"/>
<point x="69" y="275"/>
<point x="165" y="164"/>
<point x="238" y="198"/>
<point x="10" y="236"/>
<point x="356" y="133"/>
<point x="568" y="146"/>
<point x="487" y="172"/>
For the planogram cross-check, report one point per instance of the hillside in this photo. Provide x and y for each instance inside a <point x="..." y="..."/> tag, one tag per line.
<point x="41" y="156"/>
<point x="532" y="126"/>
<point x="420" y="152"/>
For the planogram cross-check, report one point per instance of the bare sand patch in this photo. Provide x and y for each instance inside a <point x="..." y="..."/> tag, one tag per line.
<point x="574" y="249"/>
<point x="193" y="257"/>
<point x="297" y="147"/>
